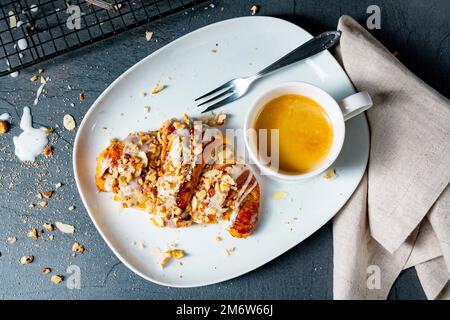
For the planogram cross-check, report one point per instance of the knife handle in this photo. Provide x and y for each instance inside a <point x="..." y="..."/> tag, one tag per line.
<point x="317" y="44"/>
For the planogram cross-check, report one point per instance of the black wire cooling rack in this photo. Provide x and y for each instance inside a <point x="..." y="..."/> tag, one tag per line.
<point x="32" y="31"/>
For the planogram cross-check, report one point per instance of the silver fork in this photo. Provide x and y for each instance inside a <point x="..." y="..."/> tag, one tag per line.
<point x="236" y="88"/>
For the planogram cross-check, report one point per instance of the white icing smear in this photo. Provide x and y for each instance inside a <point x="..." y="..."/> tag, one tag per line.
<point x="39" y="92"/>
<point x="5" y="117"/>
<point x="31" y="142"/>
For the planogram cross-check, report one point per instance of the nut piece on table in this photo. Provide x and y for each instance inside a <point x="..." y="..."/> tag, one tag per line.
<point x="47" y="152"/>
<point x="46" y="270"/>
<point x="4" y="126"/>
<point x="56" y="279"/>
<point x="76" y="247"/>
<point x="26" y="260"/>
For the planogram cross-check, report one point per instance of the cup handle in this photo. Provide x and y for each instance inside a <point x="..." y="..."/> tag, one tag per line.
<point x="355" y="104"/>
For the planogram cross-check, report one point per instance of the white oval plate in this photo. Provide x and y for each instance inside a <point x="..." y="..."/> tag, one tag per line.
<point x="189" y="68"/>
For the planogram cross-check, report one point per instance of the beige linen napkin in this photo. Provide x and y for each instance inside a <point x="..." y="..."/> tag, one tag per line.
<point x="399" y="216"/>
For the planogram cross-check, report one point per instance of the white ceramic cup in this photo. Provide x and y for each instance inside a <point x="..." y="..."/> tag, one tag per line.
<point x="338" y="113"/>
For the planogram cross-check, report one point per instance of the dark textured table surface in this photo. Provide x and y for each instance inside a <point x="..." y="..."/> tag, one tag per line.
<point x="418" y="30"/>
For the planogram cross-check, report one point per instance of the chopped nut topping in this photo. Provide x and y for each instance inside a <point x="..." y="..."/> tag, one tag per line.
<point x="47" y="194"/>
<point x="69" y="122"/>
<point x="56" y="279"/>
<point x="158" y="89"/>
<point x="26" y="260"/>
<point x="47" y="152"/>
<point x="46" y="270"/>
<point x="220" y="118"/>
<point x="43" y="203"/>
<point x="76" y="247"/>
<point x="4" y="126"/>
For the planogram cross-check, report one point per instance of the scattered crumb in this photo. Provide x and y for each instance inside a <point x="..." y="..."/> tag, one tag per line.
<point x="254" y="10"/>
<point x="395" y="53"/>
<point x="146" y="109"/>
<point x="64" y="228"/>
<point x="142" y="93"/>
<point x="76" y="247"/>
<point x="43" y="203"/>
<point x="140" y="244"/>
<point x="69" y="122"/>
<point x="33" y="234"/>
<point x="218" y="237"/>
<point x="12" y="19"/>
<point x="47" y="194"/>
<point x="33" y="78"/>
<point x="158" y="89"/>
<point x="165" y="259"/>
<point x="169" y="254"/>
<point x="279" y="195"/>
<point x="177" y="253"/>
<point x="4" y="126"/>
<point x="117" y="6"/>
<point x="51" y="237"/>
<point x="228" y="251"/>
<point x="148" y="35"/>
<point x="329" y="174"/>
<point x="213" y="50"/>
<point x="56" y="279"/>
<point x="11" y="240"/>
<point x="47" y="152"/>
<point x="81" y="96"/>
<point x="26" y="260"/>
<point x="48" y="131"/>
<point x="41" y="70"/>
<point x="71" y="208"/>
<point x="46" y="270"/>
<point x="48" y="226"/>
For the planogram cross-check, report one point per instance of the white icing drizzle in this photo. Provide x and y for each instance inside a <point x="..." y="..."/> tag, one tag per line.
<point x="243" y="193"/>
<point x="31" y="142"/>
<point x="38" y="93"/>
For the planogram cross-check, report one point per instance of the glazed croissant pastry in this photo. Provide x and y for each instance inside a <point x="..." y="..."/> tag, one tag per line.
<point x="181" y="174"/>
